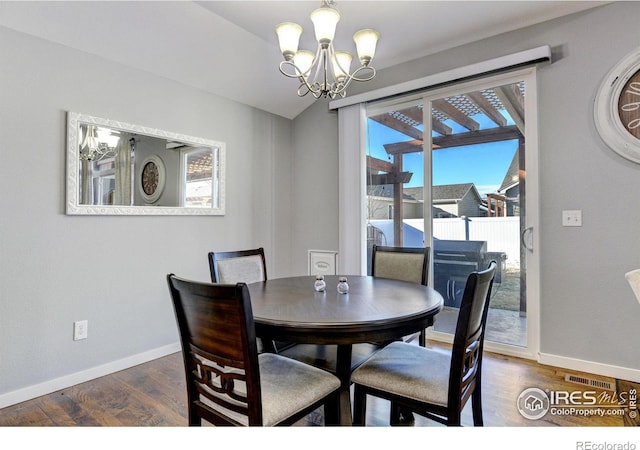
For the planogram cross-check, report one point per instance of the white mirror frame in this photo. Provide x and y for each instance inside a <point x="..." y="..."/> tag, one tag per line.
<point x="74" y="207"/>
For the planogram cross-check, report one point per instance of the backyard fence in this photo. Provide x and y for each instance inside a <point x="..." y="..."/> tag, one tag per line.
<point x="502" y="234"/>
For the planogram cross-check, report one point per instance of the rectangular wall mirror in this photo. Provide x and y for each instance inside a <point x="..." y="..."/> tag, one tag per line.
<point x="116" y="168"/>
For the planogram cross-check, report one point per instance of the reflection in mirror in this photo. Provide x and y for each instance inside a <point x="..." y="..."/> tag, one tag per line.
<point x="118" y="168"/>
<point x="197" y="178"/>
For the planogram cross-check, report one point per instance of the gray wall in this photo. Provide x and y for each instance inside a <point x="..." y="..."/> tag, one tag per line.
<point x="56" y="269"/>
<point x="588" y="311"/>
<point x="315" y="173"/>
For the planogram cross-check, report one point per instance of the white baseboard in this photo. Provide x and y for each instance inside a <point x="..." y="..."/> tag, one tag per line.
<point x="605" y="370"/>
<point x="47" y="387"/>
<point x="564" y="362"/>
<point x="493" y="347"/>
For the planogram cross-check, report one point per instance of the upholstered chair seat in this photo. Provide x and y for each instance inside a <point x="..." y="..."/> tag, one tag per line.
<point x="408" y="370"/>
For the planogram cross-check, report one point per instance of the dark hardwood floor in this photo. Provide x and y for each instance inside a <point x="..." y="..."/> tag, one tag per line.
<point x="153" y="395"/>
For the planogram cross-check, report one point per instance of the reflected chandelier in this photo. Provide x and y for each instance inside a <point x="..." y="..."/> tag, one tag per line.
<point x="327" y="73"/>
<point x="98" y="143"/>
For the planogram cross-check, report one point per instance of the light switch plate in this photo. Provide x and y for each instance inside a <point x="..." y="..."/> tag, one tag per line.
<point x="572" y="218"/>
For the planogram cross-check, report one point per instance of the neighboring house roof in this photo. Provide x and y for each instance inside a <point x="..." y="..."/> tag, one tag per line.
<point x="415" y="192"/>
<point x="447" y="193"/>
<point x="511" y="178"/>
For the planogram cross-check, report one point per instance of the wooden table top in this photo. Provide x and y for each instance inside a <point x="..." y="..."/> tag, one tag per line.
<point x="374" y="308"/>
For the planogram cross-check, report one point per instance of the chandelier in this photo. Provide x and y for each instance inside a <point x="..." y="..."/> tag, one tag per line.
<point x="98" y="143"/>
<point x="327" y="72"/>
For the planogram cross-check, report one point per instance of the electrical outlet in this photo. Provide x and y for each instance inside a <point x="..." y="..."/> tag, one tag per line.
<point x="572" y="218"/>
<point x="80" y="330"/>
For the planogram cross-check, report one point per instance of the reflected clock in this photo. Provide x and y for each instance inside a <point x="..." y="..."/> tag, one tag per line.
<point x="151" y="179"/>
<point x="617" y="108"/>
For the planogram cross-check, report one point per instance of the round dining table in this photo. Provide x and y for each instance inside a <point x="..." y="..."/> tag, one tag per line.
<point x="374" y="310"/>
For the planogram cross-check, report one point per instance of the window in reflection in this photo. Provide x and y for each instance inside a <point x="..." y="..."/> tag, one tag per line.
<point x="198" y="176"/>
<point x="104" y="182"/>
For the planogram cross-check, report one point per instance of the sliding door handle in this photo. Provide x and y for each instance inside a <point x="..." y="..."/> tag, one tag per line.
<point x="527" y="243"/>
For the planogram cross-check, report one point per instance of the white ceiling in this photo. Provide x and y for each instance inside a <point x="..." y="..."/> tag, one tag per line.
<point x="229" y="48"/>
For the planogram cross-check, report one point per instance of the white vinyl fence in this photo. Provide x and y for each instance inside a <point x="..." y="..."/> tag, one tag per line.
<point x="501" y="233"/>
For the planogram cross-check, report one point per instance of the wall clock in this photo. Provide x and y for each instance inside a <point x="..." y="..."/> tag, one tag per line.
<point x="152" y="179"/>
<point x="617" y="108"/>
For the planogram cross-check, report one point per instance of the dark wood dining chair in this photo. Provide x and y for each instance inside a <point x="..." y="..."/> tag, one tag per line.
<point x="242" y="266"/>
<point x="405" y="264"/>
<point x="238" y="266"/>
<point x="428" y="382"/>
<point x="228" y="382"/>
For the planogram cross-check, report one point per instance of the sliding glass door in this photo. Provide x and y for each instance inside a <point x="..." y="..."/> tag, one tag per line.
<point x="448" y="170"/>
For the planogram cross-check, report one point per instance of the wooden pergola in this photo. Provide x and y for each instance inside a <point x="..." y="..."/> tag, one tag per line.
<point x="496" y="205"/>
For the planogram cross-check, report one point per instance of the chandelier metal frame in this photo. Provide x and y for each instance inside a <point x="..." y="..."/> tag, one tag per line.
<point x="323" y="84"/>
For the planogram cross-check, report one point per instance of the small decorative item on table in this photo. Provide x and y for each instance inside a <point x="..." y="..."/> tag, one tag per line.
<point x="320" y="285"/>
<point x="343" y="286"/>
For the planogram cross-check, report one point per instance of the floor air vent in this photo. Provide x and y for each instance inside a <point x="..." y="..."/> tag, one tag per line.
<point x="585" y="381"/>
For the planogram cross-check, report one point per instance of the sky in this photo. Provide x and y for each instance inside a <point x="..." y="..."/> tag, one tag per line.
<point x="485" y="165"/>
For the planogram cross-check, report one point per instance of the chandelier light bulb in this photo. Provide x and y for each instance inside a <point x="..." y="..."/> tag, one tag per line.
<point x="342" y="65"/>
<point x="289" y="38"/>
<point x="92" y="138"/>
<point x="325" y="19"/>
<point x="303" y="61"/>
<point x="366" y="41"/>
